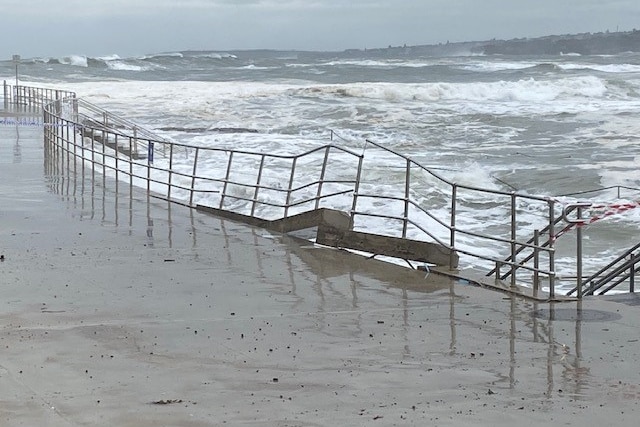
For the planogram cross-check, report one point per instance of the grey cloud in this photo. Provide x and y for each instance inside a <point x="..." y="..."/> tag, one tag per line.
<point x="144" y="26"/>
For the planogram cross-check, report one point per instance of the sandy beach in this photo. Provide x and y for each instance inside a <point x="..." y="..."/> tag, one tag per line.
<point x="119" y="309"/>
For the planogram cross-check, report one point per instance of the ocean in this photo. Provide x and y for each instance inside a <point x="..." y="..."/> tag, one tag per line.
<point x="562" y="126"/>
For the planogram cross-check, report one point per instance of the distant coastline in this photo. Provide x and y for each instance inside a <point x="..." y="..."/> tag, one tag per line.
<point x="603" y="43"/>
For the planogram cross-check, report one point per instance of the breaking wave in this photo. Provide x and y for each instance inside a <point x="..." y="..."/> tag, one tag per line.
<point x="501" y="91"/>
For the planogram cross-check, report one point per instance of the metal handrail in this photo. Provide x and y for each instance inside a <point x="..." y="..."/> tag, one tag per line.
<point x="186" y="178"/>
<point x="515" y="246"/>
<point x="34" y="96"/>
<point x="592" y="282"/>
<point x="172" y="174"/>
<point x="114" y="122"/>
<point x="51" y="112"/>
<point x="460" y="186"/>
<point x="529" y="244"/>
<point x="628" y="272"/>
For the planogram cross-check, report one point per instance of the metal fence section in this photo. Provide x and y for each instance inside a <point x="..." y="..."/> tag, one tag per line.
<point x="424" y="206"/>
<point x="33" y="96"/>
<point x="102" y="124"/>
<point x="623" y="269"/>
<point x="532" y="255"/>
<point x="247" y="182"/>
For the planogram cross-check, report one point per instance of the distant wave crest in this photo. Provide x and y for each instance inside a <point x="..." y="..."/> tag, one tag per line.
<point x="161" y="55"/>
<point x="112" y="62"/>
<point x="74" y="60"/>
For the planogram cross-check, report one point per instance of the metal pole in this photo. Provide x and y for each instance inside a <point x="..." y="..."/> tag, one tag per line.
<point x="322" y="175"/>
<point x="552" y="237"/>
<point x="289" y="191"/>
<point x="356" y="189"/>
<point x="226" y="179"/>
<point x="452" y="229"/>
<point x="536" y="262"/>
<point x="632" y="274"/>
<point x="579" y="254"/>
<point x="16" y="61"/>
<point x="193" y="175"/>
<point x="170" y="172"/>
<point x="258" y="182"/>
<point x="513" y="240"/>
<point x="407" y="188"/>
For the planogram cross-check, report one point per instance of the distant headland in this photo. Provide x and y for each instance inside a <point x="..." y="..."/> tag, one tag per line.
<point x="604" y="43"/>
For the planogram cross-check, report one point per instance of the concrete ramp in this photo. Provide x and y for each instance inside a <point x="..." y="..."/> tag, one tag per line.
<point x="334" y="229"/>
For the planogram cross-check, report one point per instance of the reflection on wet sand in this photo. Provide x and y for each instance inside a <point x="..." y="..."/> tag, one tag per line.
<point x="326" y="284"/>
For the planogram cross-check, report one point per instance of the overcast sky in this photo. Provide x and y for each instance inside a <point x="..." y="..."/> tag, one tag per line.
<point x="134" y="27"/>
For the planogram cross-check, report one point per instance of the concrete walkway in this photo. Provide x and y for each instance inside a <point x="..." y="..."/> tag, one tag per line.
<point x="121" y="310"/>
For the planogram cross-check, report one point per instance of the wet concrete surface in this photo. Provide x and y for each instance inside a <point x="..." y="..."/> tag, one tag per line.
<point x="122" y="310"/>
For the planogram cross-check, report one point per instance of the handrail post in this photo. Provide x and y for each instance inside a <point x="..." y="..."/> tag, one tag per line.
<point x="632" y="274"/>
<point x="552" y="238"/>
<point x="356" y="189"/>
<point x="536" y="262"/>
<point x="131" y="143"/>
<point x="170" y="172"/>
<point x="293" y="171"/>
<point x="578" y="222"/>
<point x="193" y="176"/>
<point x="117" y="157"/>
<point x="104" y="154"/>
<point x="579" y="254"/>
<point x="258" y="182"/>
<point x="135" y="143"/>
<point x="513" y="240"/>
<point x="322" y="174"/>
<point x="407" y="185"/>
<point x="75" y="147"/>
<point x="452" y="229"/>
<point x="149" y="165"/>
<point x="226" y="179"/>
<point x="75" y="109"/>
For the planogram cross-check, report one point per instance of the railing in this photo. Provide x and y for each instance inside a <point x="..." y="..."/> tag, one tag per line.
<point x="622" y="269"/>
<point x="269" y="185"/>
<point x="102" y="121"/>
<point x="241" y="177"/>
<point x="446" y="230"/>
<point x="33" y="96"/>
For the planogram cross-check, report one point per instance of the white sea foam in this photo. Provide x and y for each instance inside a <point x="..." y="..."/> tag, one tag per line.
<point x="123" y="66"/>
<point x="607" y="68"/>
<point x="215" y="55"/>
<point x="162" y="55"/>
<point x="112" y="57"/>
<point x="491" y="66"/>
<point x="380" y="63"/>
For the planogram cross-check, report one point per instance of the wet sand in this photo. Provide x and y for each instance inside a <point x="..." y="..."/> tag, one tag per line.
<point x="123" y="310"/>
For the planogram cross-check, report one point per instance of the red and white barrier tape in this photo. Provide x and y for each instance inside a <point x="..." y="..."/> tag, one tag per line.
<point x="606" y="211"/>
